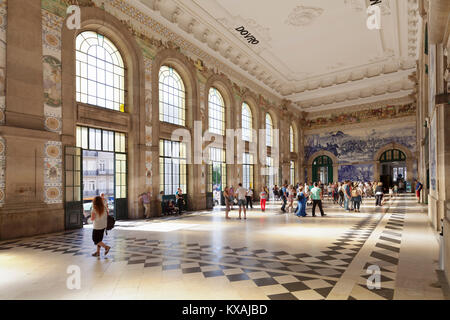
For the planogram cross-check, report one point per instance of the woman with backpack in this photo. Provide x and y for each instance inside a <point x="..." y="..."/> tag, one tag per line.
<point x="99" y="217"/>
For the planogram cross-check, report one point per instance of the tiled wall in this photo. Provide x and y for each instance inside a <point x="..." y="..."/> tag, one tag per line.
<point x="355" y="147"/>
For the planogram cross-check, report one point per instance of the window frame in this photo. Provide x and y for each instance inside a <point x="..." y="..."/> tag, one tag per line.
<point x="113" y="71"/>
<point x="216" y="108"/>
<point x="247" y="134"/>
<point x="168" y="94"/>
<point x="167" y="158"/>
<point x="269" y="130"/>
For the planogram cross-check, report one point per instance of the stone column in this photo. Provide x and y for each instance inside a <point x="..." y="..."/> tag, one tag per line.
<point x="26" y="211"/>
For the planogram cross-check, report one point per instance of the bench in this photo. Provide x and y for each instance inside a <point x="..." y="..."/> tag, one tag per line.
<point x="172" y="197"/>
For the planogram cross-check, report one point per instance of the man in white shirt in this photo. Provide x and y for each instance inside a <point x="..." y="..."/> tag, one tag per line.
<point x="241" y="193"/>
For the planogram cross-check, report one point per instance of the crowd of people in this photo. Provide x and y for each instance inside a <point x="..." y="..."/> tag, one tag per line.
<point x="347" y="194"/>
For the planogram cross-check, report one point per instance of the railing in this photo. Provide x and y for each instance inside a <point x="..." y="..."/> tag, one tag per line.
<point x="106" y="172"/>
<point x="91" y="193"/>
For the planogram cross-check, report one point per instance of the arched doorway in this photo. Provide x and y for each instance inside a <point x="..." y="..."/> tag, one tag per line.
<point x="322" y="169"/>
<point x="393" y="168"/>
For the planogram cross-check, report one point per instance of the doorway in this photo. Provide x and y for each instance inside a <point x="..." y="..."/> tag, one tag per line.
<point x="100" y="167"/>
<point x="217" y="175"/>
<point x="393" y="169"/>
<point x="322" y="170"/>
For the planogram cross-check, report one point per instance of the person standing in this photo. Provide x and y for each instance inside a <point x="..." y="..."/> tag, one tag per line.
<point x="291" y="196"/>
<point x="263" y="198"/>
<point x="226" y="195"/>
<point x="231" y="191"/>
<point x="341" y="194"/>
<point x="179" y="200"/>
<point x="249" y="198"/>
<point x="419" y="187"/>
<point x="145" y="198"/>
<point x="316" y="195"/>
<point x="347" y="194"/>
<point x="301" y="203"/>
<point x="357" y="198"/>
<point x="99" y="216"/>
<point x="241" y="193"/>
<point x="379" y="194"/>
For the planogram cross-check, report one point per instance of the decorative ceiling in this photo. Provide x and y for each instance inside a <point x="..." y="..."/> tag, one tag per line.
<point x="319" y="54"/>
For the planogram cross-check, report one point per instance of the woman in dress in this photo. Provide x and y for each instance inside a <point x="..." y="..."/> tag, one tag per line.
<point x="301" y="204"/>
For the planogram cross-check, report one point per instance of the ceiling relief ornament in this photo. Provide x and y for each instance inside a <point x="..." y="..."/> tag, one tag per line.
<point x="356" y="5"/>
<point x="302" y="16"/>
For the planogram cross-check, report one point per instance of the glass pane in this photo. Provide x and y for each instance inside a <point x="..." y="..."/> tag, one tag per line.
<point x="69" y="194"/>
<point x="69" y="178"/>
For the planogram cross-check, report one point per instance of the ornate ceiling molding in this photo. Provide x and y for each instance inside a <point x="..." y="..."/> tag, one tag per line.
<point x="302" y="16"/>
<point x="229" y="49"/>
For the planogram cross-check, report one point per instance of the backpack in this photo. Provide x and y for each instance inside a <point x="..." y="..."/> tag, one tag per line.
<point x="354" y="193"/>
<point x="110" y="222"/>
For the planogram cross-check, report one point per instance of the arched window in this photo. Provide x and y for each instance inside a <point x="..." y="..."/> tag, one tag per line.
<point x="216" y="112"/>
<point x="171" y="97"/>
<point x="100" y="72"/>
<point x="246" y="123"/>
<point x="269" y="130"/>
<point x="291" y="139"/>
<point x="392" y="156"/>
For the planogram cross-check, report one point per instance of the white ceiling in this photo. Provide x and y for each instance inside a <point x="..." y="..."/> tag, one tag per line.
<point x="317" y="53"/>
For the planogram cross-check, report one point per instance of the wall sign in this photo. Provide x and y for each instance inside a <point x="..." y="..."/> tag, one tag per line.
<point x="247" y="35"/>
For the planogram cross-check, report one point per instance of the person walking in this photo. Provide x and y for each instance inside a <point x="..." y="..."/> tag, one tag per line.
<point x="316" y="195"/>
<point x="419" y="187"/>
<point x="249" y="198"/>
<point x="145" y="199"/>
<point x="241" y="194"/>
<point x="379" y="194"/>
<point x="301" y="203"/>
<point x="99" y="216"/>
<point x="283" y="192"/>
<point x="263" y="198"/>
<point x="226" y="195"/>
<point x="291" y="196"/>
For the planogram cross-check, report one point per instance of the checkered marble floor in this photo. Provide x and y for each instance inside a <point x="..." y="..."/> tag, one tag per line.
<point x="203" y="256"/>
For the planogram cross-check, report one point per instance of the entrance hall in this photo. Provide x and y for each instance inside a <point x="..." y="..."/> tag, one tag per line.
<point x="141" y="140"/>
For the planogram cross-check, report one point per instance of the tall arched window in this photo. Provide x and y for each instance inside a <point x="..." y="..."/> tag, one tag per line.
<point x="100" y="72"/>
<point x="269" y="130"/>
<point x="171" y="97"/>
<point x="216" y="112"/>
<point x="246" y="123"/>
<point x="291" y="139"/>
